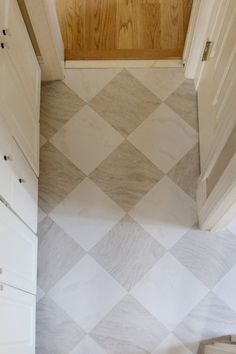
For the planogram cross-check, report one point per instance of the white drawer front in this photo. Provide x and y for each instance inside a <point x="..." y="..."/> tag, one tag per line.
<point x="18" y="252"/>
<point x="25" y="189"/>
<point x="20" y="118"/>
<point x="17" y="321"/>
<point x="5" y="161"/>
<point x="21" y="53"/>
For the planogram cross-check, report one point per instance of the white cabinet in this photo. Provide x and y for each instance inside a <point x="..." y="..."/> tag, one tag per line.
<point x="24" y="199"/>
<point x="20" y="81"/>
<point x="5" y="161"/>
<point x="18" y="252"/>
<point x="17" y="321"/>
<point x="18" y="182"/>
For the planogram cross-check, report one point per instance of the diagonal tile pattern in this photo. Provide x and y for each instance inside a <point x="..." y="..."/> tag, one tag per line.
<point x="87" y="293"/>
<point x="165" y="212"/>
<point x="58" y="105"/>
<point x="56" y="332"/>
<point x="161" y="291"/>
<point x="212" y="318"/>
<point x="187" y="171"/>
<point x="87" y="83"/>
<point x="209" y="256"/>
<point x="184" y="102"/>
<point x="58" y="177"/>
<point x="169" y="138"/>
<point x="127" y="264"/>
<point x="129" y="328"/>
<point x="125" y="103"/>
<point x="126" y="175"/>
<point x="87" y="214"/>
<point x="58" y="252"/>
<point x="118" y="283"/>
<point x="86" y="139"/>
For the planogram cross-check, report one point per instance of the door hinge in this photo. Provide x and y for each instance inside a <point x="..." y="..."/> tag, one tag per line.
<point x="207" y="50"/>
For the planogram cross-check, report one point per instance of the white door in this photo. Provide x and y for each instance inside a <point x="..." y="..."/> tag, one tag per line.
<point x="20" y="82"/>
<point x="217" y="119"/>
<point x="18" y="252"/>
<point x="17" y="321"/>
<point x="217" y="87"/>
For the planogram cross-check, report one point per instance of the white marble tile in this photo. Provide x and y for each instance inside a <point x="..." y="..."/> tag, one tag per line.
<point x="232" y="226"/>
<point x="226" y="289"/>
<point x="165" y="212"/>
<point x="41" y="215"/>
<point x="208" y="255"/>
<point x="56" y="332"/>
<point x="88" y="346"/>
<point x="88" y="82"/>
<point x="162" y="82"/>
<point x="127" y="252"/>
<point x="171" y="345"/>
<point x="87" y="139"/>
<point x="87" y="293"/>
<point x="129" y="328"/>
<point x="87" y="214"/>
<point x="163" y="291"/>
<point x="169" y="137"/>
<point x="211" y="318"/>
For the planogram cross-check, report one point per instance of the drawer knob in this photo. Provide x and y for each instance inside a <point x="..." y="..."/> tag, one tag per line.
<point x="4" y="32"/>
<point x="2" y="45"/>
<point x="21" y="180"/>
<point x="6" y="158"/>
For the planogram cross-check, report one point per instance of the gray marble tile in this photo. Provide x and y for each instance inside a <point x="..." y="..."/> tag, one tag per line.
<point x="129" y="329"/>
<point x="187" y="171"/>
<point x="208" y="255"/>
<point x="56" y="333"/>
<point x="125" y="103"/>
<point x="184" y="102"/>
<point x="57" y="253"/>
<point x="58" y="104"/>
<point x="210" y="319"/>
<point x="58" y="177"/>
<point x="127" y="252"/>
<point x="126" y="175"/>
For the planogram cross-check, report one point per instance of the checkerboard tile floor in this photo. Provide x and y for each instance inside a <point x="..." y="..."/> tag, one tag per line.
<point x="123" y="268"/>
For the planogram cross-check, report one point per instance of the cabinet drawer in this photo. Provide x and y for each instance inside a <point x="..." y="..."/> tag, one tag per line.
<point x="20" y="118"/>
<point x="18" y="252"/>
<point x="24" y="189"/>
<point x="17" y="321"/>
<point x="5" y="161"/>
<point x="21" y="52"/>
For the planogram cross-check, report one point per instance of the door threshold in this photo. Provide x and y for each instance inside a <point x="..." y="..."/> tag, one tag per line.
<point x="105" y="64"/>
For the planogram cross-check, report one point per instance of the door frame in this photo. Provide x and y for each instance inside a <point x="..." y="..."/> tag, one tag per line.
<point x="216" y="210"/>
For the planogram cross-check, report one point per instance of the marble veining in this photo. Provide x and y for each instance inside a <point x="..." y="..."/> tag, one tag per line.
<point x="123" y="268"/>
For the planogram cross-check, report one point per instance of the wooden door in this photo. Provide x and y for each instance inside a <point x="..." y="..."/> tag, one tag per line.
<point x="17" y="321"/>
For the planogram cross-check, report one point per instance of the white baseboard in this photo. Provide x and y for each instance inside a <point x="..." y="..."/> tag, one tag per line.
<point x="103" y="64"/>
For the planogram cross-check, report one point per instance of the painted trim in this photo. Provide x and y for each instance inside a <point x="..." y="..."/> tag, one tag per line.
<point x="201" y="17"/>
<point x="94" y="64"/>
<point x="43" y="17"/>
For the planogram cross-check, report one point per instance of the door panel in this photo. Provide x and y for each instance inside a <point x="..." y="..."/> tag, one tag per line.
<point x="24" y="189"/>
<point x="18" y="252"/>
<point x="17" y="321"/>
<point x="5" y="161"/>
<point x="21" y="53"/>
<point x="21" y="120"/>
